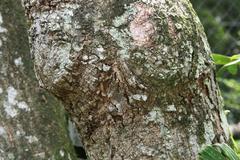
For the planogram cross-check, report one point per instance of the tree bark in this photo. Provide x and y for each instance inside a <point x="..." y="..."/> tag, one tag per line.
<point x="136" y="76"/>
<point x="32" y="123"/>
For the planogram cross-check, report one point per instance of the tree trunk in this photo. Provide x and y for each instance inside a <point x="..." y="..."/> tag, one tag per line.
<point x="136" y="76"/>
<point x="32" y="123"/>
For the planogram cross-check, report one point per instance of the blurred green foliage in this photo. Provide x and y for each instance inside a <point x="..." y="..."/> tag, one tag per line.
<point x="231" y="94"/>
<point x="229" y="63"/>
<point x="221" y="20"/>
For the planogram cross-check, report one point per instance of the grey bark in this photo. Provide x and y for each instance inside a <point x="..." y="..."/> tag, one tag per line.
<point x="136" y="76"/>
<point x="32" y="123"/>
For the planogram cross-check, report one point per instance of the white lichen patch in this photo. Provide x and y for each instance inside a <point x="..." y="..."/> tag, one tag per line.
<point x="89" y="59"/>
<point x="138" y="97"/>
<point x="31" y="139"/>
<point x="10" y="102"/>
<point x="100" y="49"/>
<point x="155" y="115"/>
<point x="115" y="106"/>
<point x="23" y="105"/>
<point x="21" y="132"/>
<point x="18" y="133"/>
<point x="224" y="123"/>
<point x="138" y="55"/>
<point x="59" y="54"/>
<point x="18" y="61"/>
<point x="85" y="57"/>
<point x="120" y="37"/>
<point x="106" y="67"/>
<point x="11" y="156"/>
<point x="1" y="90"/>
<point x="12" y="94"/>
<point x="193" y="141"/>
<point x="209" y="132"/>
<point x="41" y="155"/>
<point x="2" y="131"/>
<point x="38" y="26"/>
<point x="69" y="157"/>
<point x="189" y="45"/>
<point x="2" y="29"/>
<point x="154" y="2"/>
<point x="100" y="53"/>
<point x="171" y="108"/>
<point x="61" y="152"/>
<point x="178" y="26"/>
<point x="146" y="150"/>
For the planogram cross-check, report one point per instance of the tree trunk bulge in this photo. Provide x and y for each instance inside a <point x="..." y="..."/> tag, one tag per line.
<point x="136" y="76"/>
<point x="32" y="123"/>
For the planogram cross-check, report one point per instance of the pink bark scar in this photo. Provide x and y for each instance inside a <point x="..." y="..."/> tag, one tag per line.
<point x="142" y="28"/>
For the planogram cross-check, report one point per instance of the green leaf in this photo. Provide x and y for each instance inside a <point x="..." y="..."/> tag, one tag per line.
<point x="220" y="59"/>
<point x="235" y="57"/>
<point x="233" y="69"/>
<point x="218" y="152"/>
<point x="233" y="63"/>
<point x="210" y="153"/>
<point x="228" y="151"/>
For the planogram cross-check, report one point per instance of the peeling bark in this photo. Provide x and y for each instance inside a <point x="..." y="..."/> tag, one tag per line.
<point x="32" y="123"/>
<point x="136" y="76"/>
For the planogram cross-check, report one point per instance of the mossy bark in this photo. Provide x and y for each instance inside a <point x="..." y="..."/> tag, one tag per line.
<point x="32" y="123"/>
<point x="136" y="76"/>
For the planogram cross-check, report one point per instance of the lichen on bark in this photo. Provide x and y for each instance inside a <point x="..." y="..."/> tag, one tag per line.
<point x="137" y="80"/>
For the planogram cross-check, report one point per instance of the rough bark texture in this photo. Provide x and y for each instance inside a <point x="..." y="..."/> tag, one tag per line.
<point x="32" y="123"/>
<point x="136" y="76"/>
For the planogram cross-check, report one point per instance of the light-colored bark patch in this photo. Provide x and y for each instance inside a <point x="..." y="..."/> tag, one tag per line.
<point x="61" y="152"/>
<point x="193" y="141"/>
<point x="138" y="97"/>
<point x="41" y="155"/>
<point x="155" y="115"/>
<point x="2" y="131"/>
<point x="142" y="27"/>
<point x="23" y="105"/>
<point x="149" y="151"/>
<point x="11" y="102"/>
<point x="171" y="108"/>
<point x="209" y="134"/>
<point x="32" y="139"/>
<point x="154" y="2"/>
<point x="18" y="61"/>
<point x="2" y="29"/>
